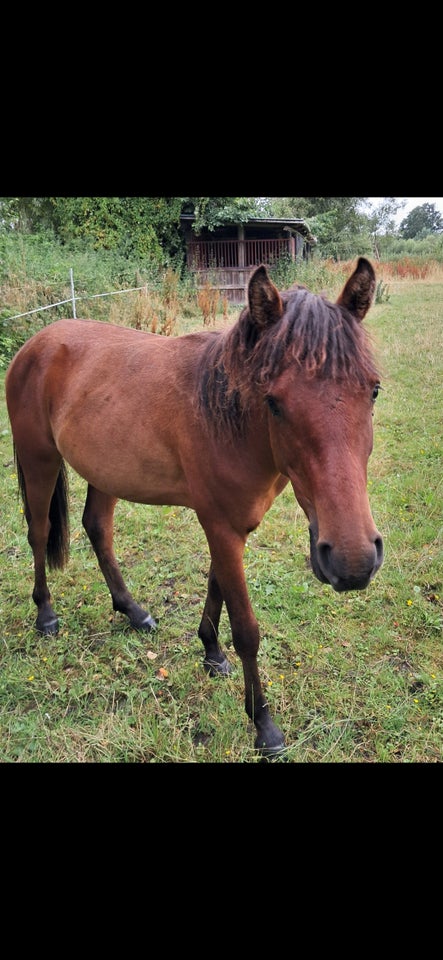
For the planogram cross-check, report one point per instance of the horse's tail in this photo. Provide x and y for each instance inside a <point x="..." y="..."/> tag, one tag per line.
<point x="57" y="547"/>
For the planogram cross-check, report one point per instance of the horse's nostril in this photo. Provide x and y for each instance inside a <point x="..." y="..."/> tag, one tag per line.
<point x="378" y="543"/>
<point x="324" y="552"/>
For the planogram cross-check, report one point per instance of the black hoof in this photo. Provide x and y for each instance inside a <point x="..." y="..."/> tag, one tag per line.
<point x="272" y="745"/>
<point x="49" y="628"/>
<point x="218" y="667"/>
<point x="273" y="755"/>
<point x="147" y="624"/>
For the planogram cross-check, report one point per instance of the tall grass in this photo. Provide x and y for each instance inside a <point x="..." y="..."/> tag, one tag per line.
<point x="351" y="678"/>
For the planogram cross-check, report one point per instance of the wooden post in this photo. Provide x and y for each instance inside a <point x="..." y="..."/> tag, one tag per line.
<point x="71" y="274"/>
<point x="241" y="244"/>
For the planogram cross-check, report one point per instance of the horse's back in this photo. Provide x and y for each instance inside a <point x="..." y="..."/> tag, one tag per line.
<point x="75" y="354"/>
<point x="75" y="337"/>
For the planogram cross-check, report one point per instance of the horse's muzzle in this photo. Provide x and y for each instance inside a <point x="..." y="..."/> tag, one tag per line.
<point x="331" y="566"/>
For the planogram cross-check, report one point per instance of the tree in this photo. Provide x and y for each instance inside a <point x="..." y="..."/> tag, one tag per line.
<point x="211" y="212"/>
<point x="382" y="220"/>
<point x="420" y="222"/>
<point x="305" y="207"/>
<point x="26" y="214"/>
<point x="144" y="227"/>
<point x="131" y="226"/>
<point x="337" y="223"/>
<point x="290" y="207"/>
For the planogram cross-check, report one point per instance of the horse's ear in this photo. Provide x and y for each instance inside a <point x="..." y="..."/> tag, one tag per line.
<point x="265" y="304"/>
<point x="358" y="293"/>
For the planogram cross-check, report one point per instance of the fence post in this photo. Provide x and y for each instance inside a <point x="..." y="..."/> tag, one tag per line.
<point x="71" y="273"/>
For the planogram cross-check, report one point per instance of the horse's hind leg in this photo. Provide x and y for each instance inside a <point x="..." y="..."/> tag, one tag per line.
<point x="39" y="486"/>
<point x="98" y="521"/>
<point x="215" y="661"/>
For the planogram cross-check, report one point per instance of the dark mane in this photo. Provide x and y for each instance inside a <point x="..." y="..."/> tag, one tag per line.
<point x="320" y="337"/>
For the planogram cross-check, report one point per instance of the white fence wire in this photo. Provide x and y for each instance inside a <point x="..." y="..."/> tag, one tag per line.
<point x="73" y="299"/>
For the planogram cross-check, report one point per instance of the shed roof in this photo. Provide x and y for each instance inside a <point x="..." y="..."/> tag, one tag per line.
<point x="292" y="224"/>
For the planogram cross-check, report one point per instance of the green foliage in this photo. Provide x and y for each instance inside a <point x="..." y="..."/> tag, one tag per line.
<point x="342" y="233"/>
<point x="148" y="228"/>
<point x="394" y="247"/>
<point x="26" y="214"/>
<point x="288" y="207"/>
<point x="420" y="222"/>
<point x="211" y="212"/>
<point x="143" y="227"/>
<point x="382" y="294"/>
<point x="340" y="228"/>
<point x="382" y="218"/>
<point x="315" y="274"/>
<point x="342" y="208"/>
<point x="131" y="226"/>
<point x="9" y="344"/>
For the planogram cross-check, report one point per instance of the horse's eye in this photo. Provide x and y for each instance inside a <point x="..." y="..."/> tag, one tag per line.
<point x="375" y="392"/>
<point x="273" y="406"/>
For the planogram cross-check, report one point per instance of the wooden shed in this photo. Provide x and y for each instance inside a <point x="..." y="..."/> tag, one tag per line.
<point x="225" y="257"/>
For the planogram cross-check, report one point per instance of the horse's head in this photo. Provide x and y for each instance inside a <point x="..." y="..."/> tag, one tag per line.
<point x="320" y="383"/>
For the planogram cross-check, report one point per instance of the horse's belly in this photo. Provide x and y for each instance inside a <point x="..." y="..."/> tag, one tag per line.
<point x="153" y="475"/>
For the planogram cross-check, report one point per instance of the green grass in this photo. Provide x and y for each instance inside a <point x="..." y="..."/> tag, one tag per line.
<point x="350" y="677"/>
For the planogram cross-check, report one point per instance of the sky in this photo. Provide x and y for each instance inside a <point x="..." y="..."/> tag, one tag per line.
<point x="411" y="202"/>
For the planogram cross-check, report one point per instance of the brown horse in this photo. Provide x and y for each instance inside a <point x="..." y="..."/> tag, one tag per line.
<point x="216" y="421"/>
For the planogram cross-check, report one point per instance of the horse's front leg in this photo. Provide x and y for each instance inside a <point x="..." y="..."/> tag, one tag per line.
<point x="227" y="550"/>
<point x="98" y="521"/>
<point x="215" y="661"/>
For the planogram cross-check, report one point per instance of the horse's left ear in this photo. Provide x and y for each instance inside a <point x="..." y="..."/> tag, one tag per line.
<point x="265" y="304"/>
<point x="358" y="293"/>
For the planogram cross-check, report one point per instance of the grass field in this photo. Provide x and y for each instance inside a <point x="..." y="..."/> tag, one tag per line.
<point x="351" y="678"/>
